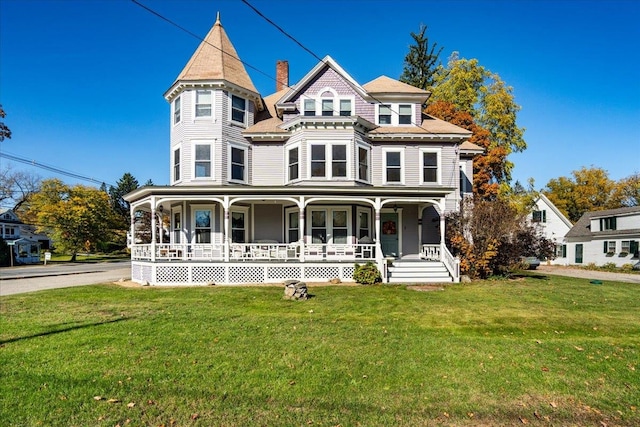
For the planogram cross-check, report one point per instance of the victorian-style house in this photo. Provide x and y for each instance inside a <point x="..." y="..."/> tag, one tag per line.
<point x="300" y="184"/>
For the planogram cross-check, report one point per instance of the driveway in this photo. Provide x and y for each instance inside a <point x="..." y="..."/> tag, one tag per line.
<point x="588" y="274"/>
<point x="16" y="280"/>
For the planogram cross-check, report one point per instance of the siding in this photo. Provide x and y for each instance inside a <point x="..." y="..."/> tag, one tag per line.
<point x="268" y="222"/>
<point x="268" y="164"/>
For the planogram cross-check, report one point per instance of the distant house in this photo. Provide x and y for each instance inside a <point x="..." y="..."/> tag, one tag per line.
<point x="302" y="183"/>
<point x="608" y="236"/>
<point x="24" y="242"/>
<point x="552" y="224"/>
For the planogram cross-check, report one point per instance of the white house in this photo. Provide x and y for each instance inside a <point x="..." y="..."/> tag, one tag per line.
<point x="552" y="224"/>
<point x="302" y="183"/>
<point x="608" y="236"/>
<point x="24" y="242"/>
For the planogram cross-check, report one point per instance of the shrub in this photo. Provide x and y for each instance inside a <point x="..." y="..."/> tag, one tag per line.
<point x="367" y="274"/>
<point x="591" y="266"/>
<point x="609" y="266"/>
<point x="627" y="267"/>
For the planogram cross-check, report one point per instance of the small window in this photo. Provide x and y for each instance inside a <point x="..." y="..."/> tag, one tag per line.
<point x="363" y="164"/>
<point x="429" y="167"/>
<point x="238" y="109"/>
<point x="318" y="160"/>
<point x="345" y="107"/>
<point x="309" y="107"/>
<point x="176" y="164"/>
<point x="394" y="167"/>
<point x="626" y="246"/>
<point x="327" y="107"/>
<point x="339" y="161"/>
<point x="608" y="223"/>
<point x="539" y="216"/>
<point x="238" y="157"/>
<point x="404" y="114"/>
<point x="203" y="103"/>
<point x="176" y="110"/>
<point x="294" y="164"/>
<point x="384" y="114"/>
<point x="293" y="227"/>
<point x="610" y="247"/>
<point x="203" y="161"/>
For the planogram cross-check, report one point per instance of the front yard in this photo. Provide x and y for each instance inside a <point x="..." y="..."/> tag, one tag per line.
<point x="537" y="351"/>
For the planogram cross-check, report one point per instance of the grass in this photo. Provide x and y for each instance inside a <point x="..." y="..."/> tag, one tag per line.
<point x="537" y="351"/>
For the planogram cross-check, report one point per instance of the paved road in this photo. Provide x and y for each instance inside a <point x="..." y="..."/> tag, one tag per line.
<point x="15" y="280"/>
<point x="588" y="274"/>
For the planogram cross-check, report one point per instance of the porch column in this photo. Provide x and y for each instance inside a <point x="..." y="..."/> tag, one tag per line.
<point x="442" y="228"/>
<point x="420" y="215"/>
<point x="132" y="227"/>
<point x="154" y="232"/>
<point x="226" y="229"/>
<point x="301" y="227"/>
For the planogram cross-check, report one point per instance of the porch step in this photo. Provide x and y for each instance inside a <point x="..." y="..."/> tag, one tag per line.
<point x="418" y="271"/>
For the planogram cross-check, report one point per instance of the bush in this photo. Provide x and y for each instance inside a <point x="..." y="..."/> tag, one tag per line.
<point x="609" y="266"/>
<point x="627" y="267"/>
<point x="367" y="274"/>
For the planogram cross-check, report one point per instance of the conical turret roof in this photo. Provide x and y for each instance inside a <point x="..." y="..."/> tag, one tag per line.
<point x="216" y="59"/>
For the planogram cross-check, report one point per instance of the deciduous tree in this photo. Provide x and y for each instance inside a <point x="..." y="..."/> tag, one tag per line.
<point x="77" y="218"/>
<point x="16" y="187"/>
<point x="5" y="132"/>
<point x="627" y="191"/>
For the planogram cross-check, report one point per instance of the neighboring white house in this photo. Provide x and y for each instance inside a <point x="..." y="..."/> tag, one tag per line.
<point x="24" y="242"/>
<point x="608" y="236"/>
<point x="552" y="224"/>
<point x="302" y="183"/>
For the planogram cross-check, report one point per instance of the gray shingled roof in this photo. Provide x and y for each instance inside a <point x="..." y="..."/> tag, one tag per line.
<point x="582" y="228"/>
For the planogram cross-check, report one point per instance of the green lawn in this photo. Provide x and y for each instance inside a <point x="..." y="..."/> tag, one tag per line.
<point x="535" y="351"/>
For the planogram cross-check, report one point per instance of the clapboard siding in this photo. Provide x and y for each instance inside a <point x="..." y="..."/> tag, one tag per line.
<point x="268" y="164"/>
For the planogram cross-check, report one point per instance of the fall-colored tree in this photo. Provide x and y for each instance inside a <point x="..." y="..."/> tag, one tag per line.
<point x="491" y="236"/>
<point x="420" y="64"/>
<point x="76" y="218"/>
<point x="627" y="191"/>
<point x="473" y="89"/>
<point x="589" y="189"/>
<point x="5" y="132"/>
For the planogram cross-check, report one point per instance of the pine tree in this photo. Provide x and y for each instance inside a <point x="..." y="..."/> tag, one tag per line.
<point x="421" y="63"/>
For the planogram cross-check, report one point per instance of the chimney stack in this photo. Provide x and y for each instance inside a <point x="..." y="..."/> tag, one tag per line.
<point x="282" y="75"/>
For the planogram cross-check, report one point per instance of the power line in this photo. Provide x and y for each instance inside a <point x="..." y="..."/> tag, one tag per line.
<point x="37" y="164"/>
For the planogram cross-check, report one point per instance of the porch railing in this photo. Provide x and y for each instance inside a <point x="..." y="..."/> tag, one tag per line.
<point x="441" y="253"/>
<point x="430" y="252"/>
<point x="255" y="252"/>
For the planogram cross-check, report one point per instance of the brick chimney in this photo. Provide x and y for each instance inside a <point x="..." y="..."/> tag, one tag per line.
<point x="282" y="75"/>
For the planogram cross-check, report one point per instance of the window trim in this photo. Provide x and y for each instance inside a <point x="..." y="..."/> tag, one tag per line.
<point x="395" y="113"/>
<point x="366" y="148"/>
<point x="245" y="149"/>
<point x="244" y="210"/>
<point x="176" y="166"/>
<point x="176" y="113"/>
<point x="328" y="159"/>
<point x="385" y="151"/>
<point x="212" y="217"/>
<point x="369" y="227"/>
<point x="438" y="153"/>
<point x="287" y="212"/>
<point x="195" y="105"/>
<point x="288" y="162"/>
<point x="177" y="234"/>
<point x="194" y="143"/>
<point x="245" y="111"/>
<point x="318" y="104"/>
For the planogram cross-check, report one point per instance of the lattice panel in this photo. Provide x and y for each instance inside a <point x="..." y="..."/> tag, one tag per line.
<point x="246" y="274"/>
<point x="321" y="272"/>
<point x="207" y="274"/>
<point x="141" y="273"/>
<point x="172" y="274"/>
<point x="288" y="272"/>
<point x="347" y="272"/>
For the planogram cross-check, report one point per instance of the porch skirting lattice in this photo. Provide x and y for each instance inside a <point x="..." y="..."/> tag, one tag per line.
<point x="173" y="273"/>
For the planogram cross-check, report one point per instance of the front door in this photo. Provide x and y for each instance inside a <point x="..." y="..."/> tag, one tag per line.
<point x="579" y="253"/>
<point x="389" y="235"/>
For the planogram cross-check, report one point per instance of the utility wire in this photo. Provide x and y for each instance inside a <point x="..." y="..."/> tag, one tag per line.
<point x="37" y="164"/>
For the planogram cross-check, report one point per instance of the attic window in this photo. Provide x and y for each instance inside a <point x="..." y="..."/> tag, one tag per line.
<point x="345" y="107"/>
<point x="539" y="216"/>
<point x="309" y="107"/>
<point x="327" y="107"/>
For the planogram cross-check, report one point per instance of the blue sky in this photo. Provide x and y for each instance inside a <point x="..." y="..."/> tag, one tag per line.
<point x="82" y="80"/>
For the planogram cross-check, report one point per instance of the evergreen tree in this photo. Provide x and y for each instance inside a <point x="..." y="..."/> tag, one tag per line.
<point x="125" y="185"/>
<point x="421" y="63"/>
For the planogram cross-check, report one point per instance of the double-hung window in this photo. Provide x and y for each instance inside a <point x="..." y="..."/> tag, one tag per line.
<point x="364" y="225"/>
<point x="176" y="164"/>
<point x="404" y="114"/>
<point x="203" y="160"/>
<point x="293" y="163"/>
<point x="393" y="167"/>
<point x="238" y="227"/>
<point x="339" y="161"/>
<point x="318" y="161"/>
<point x="539" y="216"/>
<point x="610" y="247"/>
<point x="327" y="107"/>
<point x="309" y="107"/>
<point x="293" y="226"/>
<point x="203" y="103"/>
<point x="384" y="114"/>
<point x="430" y="161"/>
<point x="345" y="107"/>
<point x="176" y="110"/>
<point x="238" y="109"/>
<point x="177" y="227"/>
<point x="203" y="225"/>
<point x="238" y="165"/>
<point x="363" y="164"/>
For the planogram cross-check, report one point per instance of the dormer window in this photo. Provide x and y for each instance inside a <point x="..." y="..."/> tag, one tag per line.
<point x="176" y="110"/>
<point x="327" y="107"/>
<point x="203" y="103"/>
<point x="326" y="103"/>
<point x="395" y="114"/>
<point x="238" y="109"/>
<point x="309" y="107"/>
<point x="345" y="107"/>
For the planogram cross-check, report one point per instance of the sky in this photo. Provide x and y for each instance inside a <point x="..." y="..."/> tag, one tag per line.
<point x="82" y="81"/>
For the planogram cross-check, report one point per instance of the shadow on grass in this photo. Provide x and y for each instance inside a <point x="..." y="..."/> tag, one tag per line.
<point x="67" y="329"/>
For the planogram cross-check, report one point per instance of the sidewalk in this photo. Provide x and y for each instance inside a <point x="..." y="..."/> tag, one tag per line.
<point x="560" y="270"/>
